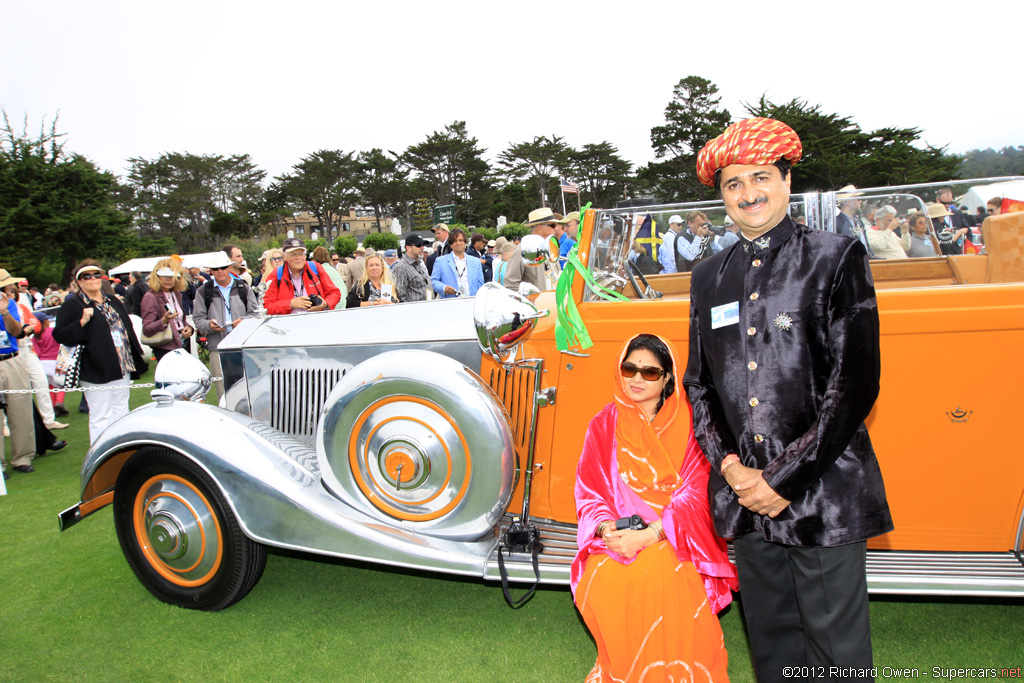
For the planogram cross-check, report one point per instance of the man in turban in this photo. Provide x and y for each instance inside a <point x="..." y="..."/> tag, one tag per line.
<point x="783" y="370"/>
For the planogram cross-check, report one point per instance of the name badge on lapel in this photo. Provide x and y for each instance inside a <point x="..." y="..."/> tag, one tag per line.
<point x="726" y="314"/>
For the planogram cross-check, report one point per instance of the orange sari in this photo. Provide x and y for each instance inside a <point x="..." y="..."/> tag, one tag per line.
<point x="652" y="616"/>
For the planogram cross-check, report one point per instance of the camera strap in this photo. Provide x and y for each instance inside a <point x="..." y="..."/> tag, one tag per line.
<point x="515" y="604"/>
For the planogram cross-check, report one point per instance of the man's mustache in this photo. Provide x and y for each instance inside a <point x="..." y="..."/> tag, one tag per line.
<point x="760" y="200"/>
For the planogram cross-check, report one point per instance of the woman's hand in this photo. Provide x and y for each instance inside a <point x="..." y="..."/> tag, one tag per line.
<point x="628" y="542"/>
<point x="186" y="332"/>
<point x="168" y="316"/>
<point x="87" y="314"/>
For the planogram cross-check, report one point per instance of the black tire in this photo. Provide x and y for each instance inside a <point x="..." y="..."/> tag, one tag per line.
<point x="179" y="535"/>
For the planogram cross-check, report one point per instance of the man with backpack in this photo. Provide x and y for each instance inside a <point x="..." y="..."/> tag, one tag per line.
<point x="299" y="286"/>
<point x="220" y="304"/>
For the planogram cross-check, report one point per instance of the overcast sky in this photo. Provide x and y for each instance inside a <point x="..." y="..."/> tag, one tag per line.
<point x="279" y="80"/>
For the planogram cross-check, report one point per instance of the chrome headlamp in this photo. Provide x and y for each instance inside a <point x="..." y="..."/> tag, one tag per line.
<point x="503" y="320"/>
<point x="181" y="376"/>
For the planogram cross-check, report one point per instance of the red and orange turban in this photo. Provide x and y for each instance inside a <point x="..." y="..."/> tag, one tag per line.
<point x="757" y="141"/>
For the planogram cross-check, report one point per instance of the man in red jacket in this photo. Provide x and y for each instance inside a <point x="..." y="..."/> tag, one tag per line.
<point x="299" y="286"/>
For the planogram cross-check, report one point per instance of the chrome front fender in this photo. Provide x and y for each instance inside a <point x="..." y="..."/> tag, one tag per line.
<point x="272" y="483"/>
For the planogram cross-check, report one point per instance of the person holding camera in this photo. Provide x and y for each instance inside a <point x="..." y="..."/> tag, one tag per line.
<point x="696" y="243"/>
<point x="884" y="236"/>
<point x="650" y="574"/>
<point x="163" y="312"/>
<point x="298" y="286"/>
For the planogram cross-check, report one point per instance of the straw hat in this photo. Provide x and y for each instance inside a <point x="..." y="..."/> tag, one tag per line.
<point x="7" y="279"/>
<point x="538" y="216"/>
<point x="848" y="192"/>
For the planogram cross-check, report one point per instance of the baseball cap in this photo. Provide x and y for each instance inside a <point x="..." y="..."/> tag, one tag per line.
<point x="292" y="243"/>
<point x="414" y="240"/>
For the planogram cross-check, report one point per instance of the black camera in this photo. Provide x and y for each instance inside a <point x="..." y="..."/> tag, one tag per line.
<point x="636" y="523"/>
<point x="521" y="538"/>
<point x="315" y="300"/>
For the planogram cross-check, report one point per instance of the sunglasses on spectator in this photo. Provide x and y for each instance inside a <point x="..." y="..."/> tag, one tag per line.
<point x="214" y="270"/>
<point x="277" y="258"/>
<point x="91" y="276"/>
<point x="649" y="374"/>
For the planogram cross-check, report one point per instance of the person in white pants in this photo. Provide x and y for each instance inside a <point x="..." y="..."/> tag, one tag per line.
<point x="30" y="362"/>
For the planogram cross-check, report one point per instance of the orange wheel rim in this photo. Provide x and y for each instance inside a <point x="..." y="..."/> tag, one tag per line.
<point x="381" y="499"/>
<point x="192" y="507"/>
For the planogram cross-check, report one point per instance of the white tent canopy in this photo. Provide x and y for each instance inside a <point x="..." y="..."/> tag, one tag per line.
<point x="979" y="195"/>
<point x="145" y="265"/>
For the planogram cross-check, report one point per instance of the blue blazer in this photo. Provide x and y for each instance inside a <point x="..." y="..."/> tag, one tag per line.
<point x="444" y="274"/>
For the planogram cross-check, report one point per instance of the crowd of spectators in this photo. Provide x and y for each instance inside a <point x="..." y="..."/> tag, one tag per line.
<point x="176" y="301"/>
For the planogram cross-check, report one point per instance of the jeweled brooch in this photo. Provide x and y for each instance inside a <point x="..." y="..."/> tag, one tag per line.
<point x="763" y="242"/>
<point x="783" y="322"/>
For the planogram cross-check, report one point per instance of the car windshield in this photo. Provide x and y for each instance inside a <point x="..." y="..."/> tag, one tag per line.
<point x="909" y="221"/>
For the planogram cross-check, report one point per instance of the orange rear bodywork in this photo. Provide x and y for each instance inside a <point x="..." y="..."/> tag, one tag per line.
<point x="943" y="426"/>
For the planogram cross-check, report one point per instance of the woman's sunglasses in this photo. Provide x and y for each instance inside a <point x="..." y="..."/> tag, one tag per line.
<point x="90" y="276"/>
<point x="649" y="374"/>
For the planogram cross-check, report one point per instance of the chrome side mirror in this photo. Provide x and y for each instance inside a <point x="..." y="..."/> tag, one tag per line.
<point x="181" y="376"/>
<point x="503" y="320"/>
<point x="528" y="290"/>
<point x="554" y="251"/>
<point x="535" y="250"/>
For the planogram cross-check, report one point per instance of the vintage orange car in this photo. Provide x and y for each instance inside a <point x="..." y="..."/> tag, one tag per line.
<point x="416" y="435"/>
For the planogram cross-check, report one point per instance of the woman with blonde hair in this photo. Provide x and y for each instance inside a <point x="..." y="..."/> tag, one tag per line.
<point x="376" y="286"/>
<point x="163" y="317"/>
<point x="273" y="258"/>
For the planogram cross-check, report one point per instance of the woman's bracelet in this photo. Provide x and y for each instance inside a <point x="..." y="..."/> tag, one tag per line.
<point x="602" y="526"/>
<point x="660" y="530"/>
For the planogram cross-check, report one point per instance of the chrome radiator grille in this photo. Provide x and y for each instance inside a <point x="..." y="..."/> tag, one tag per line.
<point x="514" y="388"/>
<point x="298" y="396"/>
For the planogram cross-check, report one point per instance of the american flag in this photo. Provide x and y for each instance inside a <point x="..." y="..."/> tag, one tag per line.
<point x="571" y="188"/>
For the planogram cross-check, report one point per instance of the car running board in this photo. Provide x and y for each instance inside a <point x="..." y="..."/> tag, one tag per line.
<point x="898" y="572"/>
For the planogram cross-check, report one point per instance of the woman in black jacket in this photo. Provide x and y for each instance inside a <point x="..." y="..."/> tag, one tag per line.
<point x="111" y="355"/>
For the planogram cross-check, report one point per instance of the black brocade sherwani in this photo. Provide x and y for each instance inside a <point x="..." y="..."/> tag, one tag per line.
<point x="787" y="387"/>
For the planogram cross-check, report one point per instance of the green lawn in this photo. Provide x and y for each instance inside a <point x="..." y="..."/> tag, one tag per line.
<point x="71" y="610"/>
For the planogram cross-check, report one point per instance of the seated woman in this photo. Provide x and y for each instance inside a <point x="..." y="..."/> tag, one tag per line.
<point x="649" y="596"/>
<point x="916" y="241"/>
